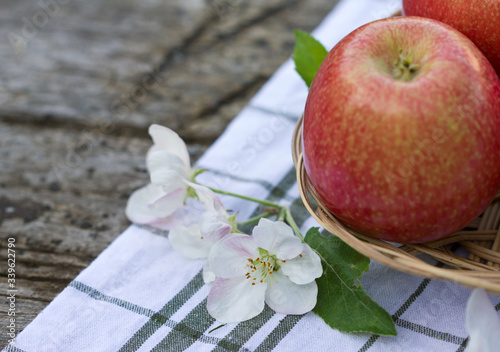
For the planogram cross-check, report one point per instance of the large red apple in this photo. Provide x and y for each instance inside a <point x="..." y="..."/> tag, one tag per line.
<point x="401" y="131"/>
<point x="477" y="19"/>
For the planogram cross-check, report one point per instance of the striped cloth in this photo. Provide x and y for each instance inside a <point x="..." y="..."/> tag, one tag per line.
<point x="140" y="295"/>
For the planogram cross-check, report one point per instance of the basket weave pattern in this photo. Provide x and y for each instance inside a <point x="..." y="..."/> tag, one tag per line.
<point x="482" y="240"/>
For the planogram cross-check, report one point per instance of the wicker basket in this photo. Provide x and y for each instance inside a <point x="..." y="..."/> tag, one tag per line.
<point x="480" y="269"/>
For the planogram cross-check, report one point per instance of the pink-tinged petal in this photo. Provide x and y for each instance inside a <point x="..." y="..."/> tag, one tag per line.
<point x="235" y="299"/>
<point x="188" y="242"/>
<point x="208" y="198"/>
<point x="169" y="181"/>
<point x="170" y="202"/>
<point x="139" y="205"/>
<point x="167" y="140"/>
<point x="284" y="296"/>
<point x="167" y="223"/>
<point x="214" y="225"/>
<point x="277" y="238"/>
<point x="229" y="256"/>
<point x="188" y="214"/>
<point x="304" y="268"/>
<point x="482" y="323"/>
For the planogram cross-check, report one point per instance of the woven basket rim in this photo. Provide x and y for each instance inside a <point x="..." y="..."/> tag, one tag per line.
<point x="467" y="272"/>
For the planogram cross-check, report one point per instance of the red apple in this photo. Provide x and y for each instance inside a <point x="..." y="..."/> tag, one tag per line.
<point x="479" y="20"/>
<point x="401" y="131"/>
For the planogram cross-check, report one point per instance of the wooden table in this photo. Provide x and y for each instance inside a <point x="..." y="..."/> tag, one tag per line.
<point x="81" y="83"/>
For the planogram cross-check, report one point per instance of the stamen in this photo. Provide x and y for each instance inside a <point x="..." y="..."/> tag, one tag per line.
<point x="260" y="273"/>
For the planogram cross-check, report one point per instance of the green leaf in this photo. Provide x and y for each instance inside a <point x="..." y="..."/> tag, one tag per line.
<point x="342" y="302"/>
<point x="307" y="55"/>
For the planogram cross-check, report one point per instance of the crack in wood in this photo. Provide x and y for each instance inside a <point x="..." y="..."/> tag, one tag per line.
<point x="170" y="60"/>
<point x="223" y="57"/>
<point x="271" y="11"/>
<point x="232" y="96"/>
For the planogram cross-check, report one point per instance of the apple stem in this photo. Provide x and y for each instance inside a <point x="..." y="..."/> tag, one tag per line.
<point x="404" y="68"/>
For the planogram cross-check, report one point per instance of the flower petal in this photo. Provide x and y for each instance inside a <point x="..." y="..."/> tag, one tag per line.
<point x="229" y="256"/>
<point x="187" y="214"/>
<point x="141" y="207"/>
<point x="475" y="343"/>
<point x="163" y="159"/>
<point x="278" y="238"/>
<point x="214" y="225"/>
<point x="287" y="297"/>
<point x="480" y="312"/>
<point x="171" y="201"/>
<point x="304" y="268"/>
<point x="235" y="299"/>
<point x="482" y="322"/>
<point x="188" y="241"/>
<point x="208" y="198"/>
<point x="208" y="274"/>
<point x="166" y="170"/>
<point x="167" y="140"/>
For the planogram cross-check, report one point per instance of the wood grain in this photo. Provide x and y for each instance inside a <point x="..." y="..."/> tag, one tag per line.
<point x="81" y="83"/>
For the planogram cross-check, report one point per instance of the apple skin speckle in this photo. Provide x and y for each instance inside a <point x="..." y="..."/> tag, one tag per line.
<point x="404" y="161"/>
<point x="479" y="20"/>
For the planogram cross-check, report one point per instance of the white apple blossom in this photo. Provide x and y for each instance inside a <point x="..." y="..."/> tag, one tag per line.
<point x="150" y="205"/>
<point x="272" y="266"/>
<point x="187" y="240"/>
<point x="482" y="323"/>
<point x="215" y="222"/>
<point x="160" y="203"/>
<point x="197" y="240"/>
<point x="168" y="160"/>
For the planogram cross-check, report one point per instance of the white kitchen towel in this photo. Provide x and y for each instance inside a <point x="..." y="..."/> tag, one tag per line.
<point x="141" y="295"/>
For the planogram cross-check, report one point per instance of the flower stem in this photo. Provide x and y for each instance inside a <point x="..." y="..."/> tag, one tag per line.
<point x="282" y="214"/>
<point x="289" y="219"/>
<point x="285" y="213"/>
<point x="254" y="219"/>
<point x="196" y="173"/>
<point x="255" y="200"/>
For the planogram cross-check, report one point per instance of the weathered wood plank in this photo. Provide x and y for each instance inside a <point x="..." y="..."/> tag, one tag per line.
<point x="26" y="311"/>
<point x="76" y="101"/>
<point x="41" y="291"/>
<point x="225" y="56"/>
<point x="71" y="58"/>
